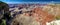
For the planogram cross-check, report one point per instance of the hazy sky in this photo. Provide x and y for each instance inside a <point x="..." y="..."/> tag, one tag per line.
<point x="22" y="1"/>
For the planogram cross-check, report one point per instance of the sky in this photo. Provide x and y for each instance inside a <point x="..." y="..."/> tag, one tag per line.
<point x="27" y="1"/>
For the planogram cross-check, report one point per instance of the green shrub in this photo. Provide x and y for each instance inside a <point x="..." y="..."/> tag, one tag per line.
<point x="3" y="22"/>
<point x="58" y="17"/>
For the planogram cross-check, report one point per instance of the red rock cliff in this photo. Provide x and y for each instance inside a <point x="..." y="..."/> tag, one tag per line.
<point x="41" y="16"/>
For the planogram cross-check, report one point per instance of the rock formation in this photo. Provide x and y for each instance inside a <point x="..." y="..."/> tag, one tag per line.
<point x="34" y="17"/>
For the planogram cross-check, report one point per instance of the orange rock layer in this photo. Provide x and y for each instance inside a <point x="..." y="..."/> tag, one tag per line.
<point x="41" y="16"/>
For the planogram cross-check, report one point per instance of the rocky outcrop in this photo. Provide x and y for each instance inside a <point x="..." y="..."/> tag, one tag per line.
<point x="42" y="16"/>
<point x="34" y="17"/>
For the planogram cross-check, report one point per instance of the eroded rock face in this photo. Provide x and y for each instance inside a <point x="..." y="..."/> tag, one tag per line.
<point x="34" y="17"/>
<point x="25" y="20"/>
<point x="52" y="9"/>
<point x="42" y="16"/>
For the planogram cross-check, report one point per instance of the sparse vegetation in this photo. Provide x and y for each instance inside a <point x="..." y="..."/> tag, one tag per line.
<point x="4" y="13"/>
<point x="58" y="17"/>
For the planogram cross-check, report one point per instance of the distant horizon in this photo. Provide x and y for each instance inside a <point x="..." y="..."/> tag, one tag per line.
<point x="29" y="1"/>
<point x="32" y="2"/>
